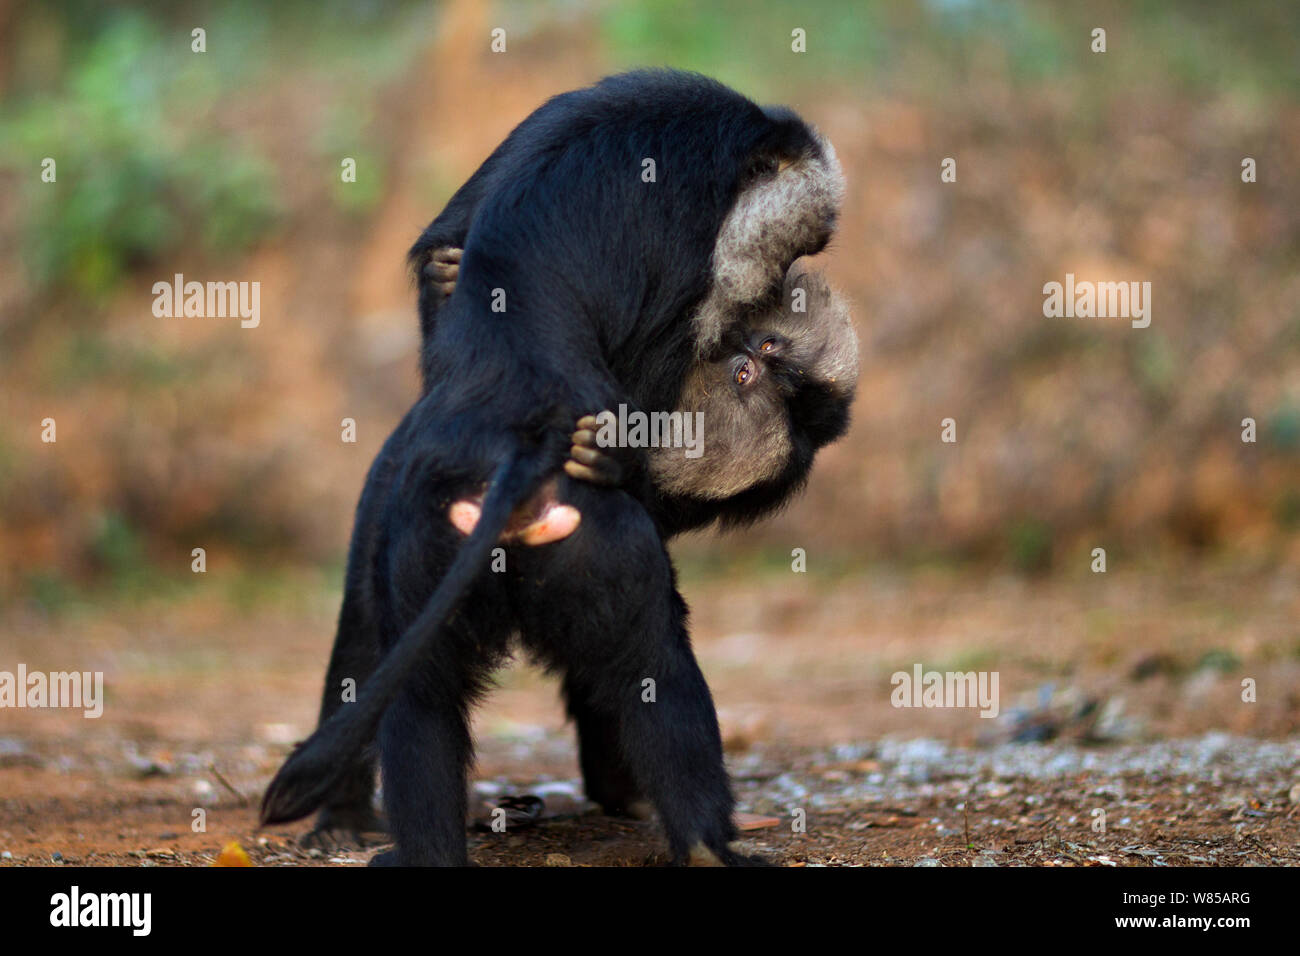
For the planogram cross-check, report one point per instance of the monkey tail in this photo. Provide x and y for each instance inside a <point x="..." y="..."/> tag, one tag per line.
<point x="316" y="767"/>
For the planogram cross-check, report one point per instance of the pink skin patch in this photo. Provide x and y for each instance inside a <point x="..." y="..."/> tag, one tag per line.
<point x="543" y="520"/>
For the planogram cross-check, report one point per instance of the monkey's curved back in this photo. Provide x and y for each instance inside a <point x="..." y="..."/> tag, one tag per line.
<point x="611" y="200"/>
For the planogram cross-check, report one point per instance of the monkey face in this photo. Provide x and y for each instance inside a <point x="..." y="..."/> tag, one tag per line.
<point x="757" y="365"/>
<point x="776" y="388"/>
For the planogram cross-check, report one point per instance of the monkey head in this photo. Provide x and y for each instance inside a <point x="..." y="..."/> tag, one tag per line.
<point x="775" y="389"/>
<point x="786" y="206"/>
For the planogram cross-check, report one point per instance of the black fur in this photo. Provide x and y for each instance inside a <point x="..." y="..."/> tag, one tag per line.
<point x="601" y="272"/>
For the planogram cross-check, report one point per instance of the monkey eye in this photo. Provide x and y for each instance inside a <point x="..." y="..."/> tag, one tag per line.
<point x="744" y="372"/>
<point x="768" y="345"/>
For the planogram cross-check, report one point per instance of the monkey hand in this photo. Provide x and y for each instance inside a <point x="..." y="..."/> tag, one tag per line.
<point x="591" y="462"/>
<point x="443" y="268"/>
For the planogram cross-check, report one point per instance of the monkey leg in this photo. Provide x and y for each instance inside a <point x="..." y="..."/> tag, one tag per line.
<point x="603" y="607"/>
<point x="605" y="774"/>
<point x="425" y="750"/>
<point x="349" y="815"/>
<point x="424" y="739"/>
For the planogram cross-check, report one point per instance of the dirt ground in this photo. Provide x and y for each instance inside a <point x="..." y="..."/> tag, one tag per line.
<point x="1101" y="754"/>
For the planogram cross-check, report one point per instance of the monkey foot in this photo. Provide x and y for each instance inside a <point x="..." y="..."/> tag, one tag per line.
<point x="346" y="830"/>
<point x="701" y="855"/>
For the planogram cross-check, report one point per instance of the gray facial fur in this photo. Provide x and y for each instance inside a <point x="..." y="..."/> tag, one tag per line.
<point x="747" y="432"/>
<point x="772" y="222"/>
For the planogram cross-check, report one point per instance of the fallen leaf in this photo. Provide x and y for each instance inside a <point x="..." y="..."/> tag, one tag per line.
<point x="232" y="854"/>
<point x="751" y="821"/>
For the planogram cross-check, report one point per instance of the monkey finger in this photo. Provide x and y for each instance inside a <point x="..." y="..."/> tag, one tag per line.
<point x="588" y="423"/>
<point x="585" y="438"/>
<point x="448" y="254"/>
<point x="581" y="472"/>
<point x="601" y="473"/>
<point x="586" y="456"/>
<point x="593" y="476"/>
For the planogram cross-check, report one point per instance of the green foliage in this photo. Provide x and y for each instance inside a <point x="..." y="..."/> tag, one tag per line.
<point x="88" y="356"/>
<point x="117" y="547"/>
<point x="1155" y="365"/>
<point x="50" y="590"/>
<point x="1284" y="427"/>
<point x="1287" y="510"/>
<point x="931" y="45"/>
<point x="1219" y="659"/>
<point x="744" y="42"/>
<point x="346" y="133"/>
<point x="1029" y="546"/>
<point x="137" y="167"/>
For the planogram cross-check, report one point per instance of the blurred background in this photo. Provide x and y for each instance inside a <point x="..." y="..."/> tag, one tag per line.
<point x="1073" y="434"/>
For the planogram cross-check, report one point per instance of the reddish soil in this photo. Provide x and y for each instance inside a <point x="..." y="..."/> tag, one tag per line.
<point x="202" y="703"/>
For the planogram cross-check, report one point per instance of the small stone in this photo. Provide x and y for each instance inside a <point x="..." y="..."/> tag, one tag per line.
<point x="56" y="857"/>
<point x="282" y="734"/>
<point x="6" y="855"/>
<point x="558" y="859"/>
<point x="927" y="861"/>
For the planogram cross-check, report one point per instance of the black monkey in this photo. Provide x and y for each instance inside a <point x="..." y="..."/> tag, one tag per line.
<point x="779" y="389"/>
<point x="665" y="266"/>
